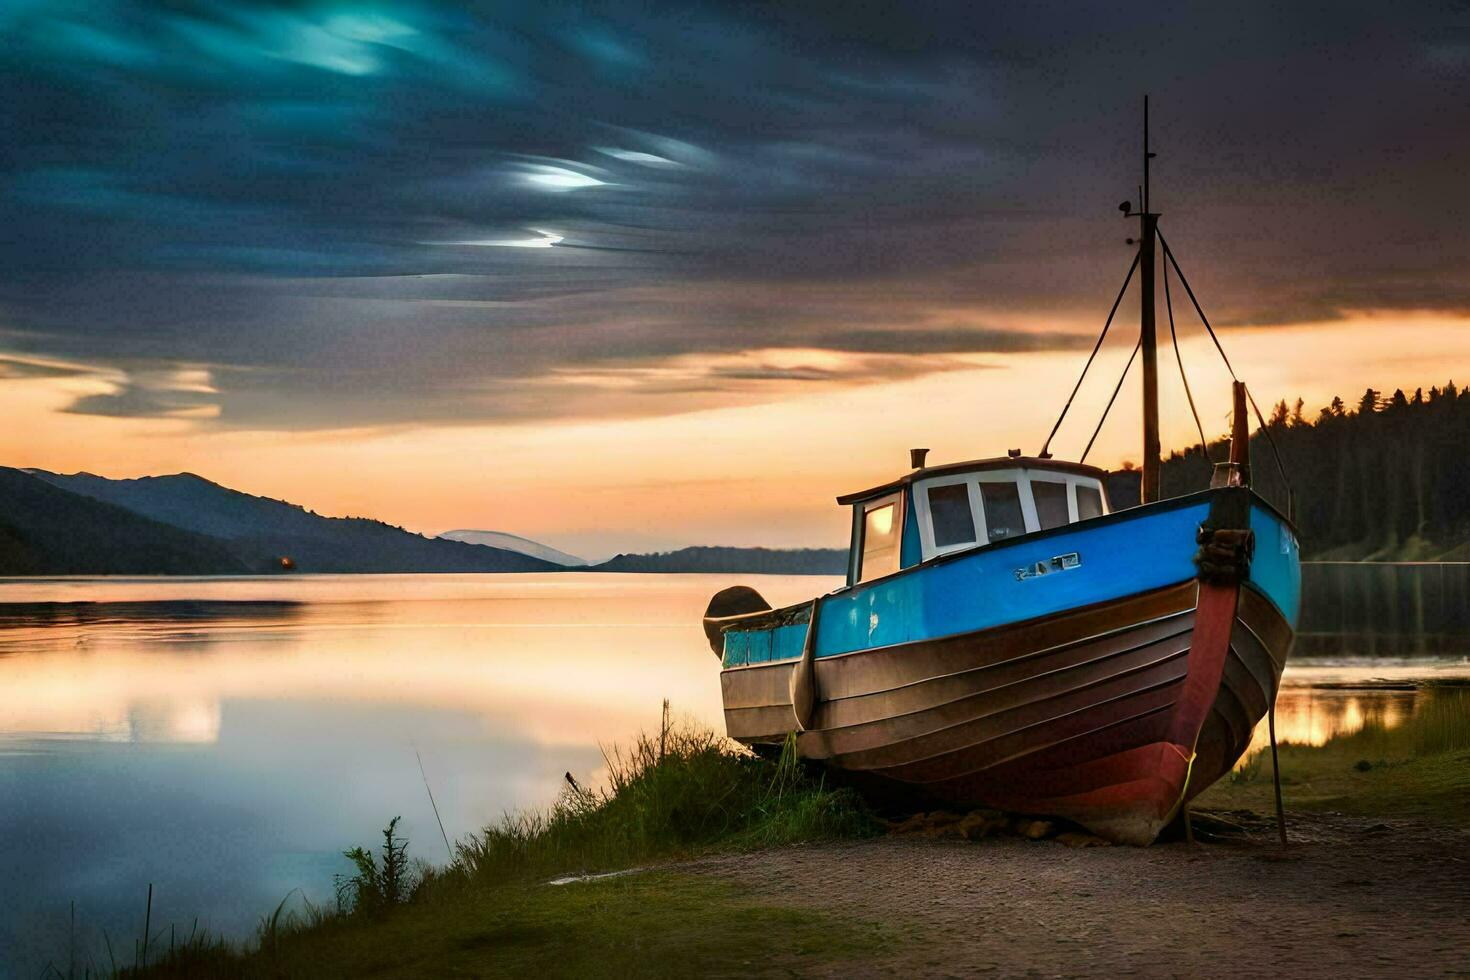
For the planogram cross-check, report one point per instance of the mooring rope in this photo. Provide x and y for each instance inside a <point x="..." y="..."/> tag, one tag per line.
<point x="1095" y="347"/>
<point x="1276" y="772"/>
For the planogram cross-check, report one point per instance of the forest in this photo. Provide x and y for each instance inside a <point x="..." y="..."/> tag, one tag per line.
<point x="1386" y="478"/>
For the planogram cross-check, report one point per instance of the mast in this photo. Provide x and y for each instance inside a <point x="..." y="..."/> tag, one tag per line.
<point x="1149" y="488"/>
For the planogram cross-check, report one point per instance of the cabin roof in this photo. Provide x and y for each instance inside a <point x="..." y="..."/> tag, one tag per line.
<point x="972" y="466"/>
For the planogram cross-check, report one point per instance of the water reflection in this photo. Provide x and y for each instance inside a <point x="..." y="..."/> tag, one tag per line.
<point x="1322" y="701"/>
<point x="22" y="620"/>
<point x="225" y="739"/>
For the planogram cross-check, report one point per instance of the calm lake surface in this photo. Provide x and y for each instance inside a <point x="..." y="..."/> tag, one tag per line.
<point x="226" y="739"/>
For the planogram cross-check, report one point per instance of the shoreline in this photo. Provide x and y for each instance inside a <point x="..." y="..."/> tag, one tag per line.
<point x="1379" y="892"/>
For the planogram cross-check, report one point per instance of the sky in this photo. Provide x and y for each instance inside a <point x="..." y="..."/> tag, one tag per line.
<point x="634" y="276"/>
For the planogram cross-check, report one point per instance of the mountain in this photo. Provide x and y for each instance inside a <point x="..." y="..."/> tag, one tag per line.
<point x="754" y="561"/>
<point x="514" y="542"/>
<point x="259" y="531"/>
<point x="46" y="530"/>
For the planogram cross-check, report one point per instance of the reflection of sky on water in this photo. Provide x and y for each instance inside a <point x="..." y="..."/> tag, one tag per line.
<point x="1320" y="701"/>
<point x="225" y="740"/>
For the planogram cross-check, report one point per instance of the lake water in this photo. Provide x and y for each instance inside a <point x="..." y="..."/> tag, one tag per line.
<point x="226" y="739"/>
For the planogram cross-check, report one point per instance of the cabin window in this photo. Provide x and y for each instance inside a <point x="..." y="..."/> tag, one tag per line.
<point x="880" y="540"/>
<point x="1051" y="503"/>
<point x="950" y="514"/>
<point x="1003" y="515"/>
<point x="1089" y="502"/>
<point x="953" y="512"/>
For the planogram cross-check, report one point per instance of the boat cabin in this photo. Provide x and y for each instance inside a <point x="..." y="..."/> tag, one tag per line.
<point x="936" y="510"/>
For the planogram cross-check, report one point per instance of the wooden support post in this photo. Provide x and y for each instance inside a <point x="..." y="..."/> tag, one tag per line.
<point x="1240" y="436"/>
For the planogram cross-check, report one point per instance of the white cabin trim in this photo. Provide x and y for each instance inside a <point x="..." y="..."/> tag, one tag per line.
<point x="1021" y="477"/>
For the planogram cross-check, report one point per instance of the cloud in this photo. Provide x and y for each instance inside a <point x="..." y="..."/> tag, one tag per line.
<point x="15" y="368"/>
<point x="180" y="392"/>
<point x="297" y="195"/>
<point x="952" y="341"/>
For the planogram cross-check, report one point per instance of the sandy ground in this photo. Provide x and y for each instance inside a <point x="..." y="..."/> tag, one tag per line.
<point x="1349" y="898"/>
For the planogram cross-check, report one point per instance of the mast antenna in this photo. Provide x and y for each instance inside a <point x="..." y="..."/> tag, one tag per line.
<point x="1146" y="154"/>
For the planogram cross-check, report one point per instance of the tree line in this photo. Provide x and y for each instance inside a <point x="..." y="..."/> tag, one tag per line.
<point x="1385" y="478"/>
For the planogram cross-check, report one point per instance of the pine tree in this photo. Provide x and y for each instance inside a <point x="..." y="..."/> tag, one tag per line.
<point x="1388" y="480"/>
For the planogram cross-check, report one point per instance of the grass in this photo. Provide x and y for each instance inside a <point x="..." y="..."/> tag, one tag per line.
<point x="1419" y="769"/>
<point x="685" y="792"/>
<point x="680" y="793"/>
<point x="651" y="925"/>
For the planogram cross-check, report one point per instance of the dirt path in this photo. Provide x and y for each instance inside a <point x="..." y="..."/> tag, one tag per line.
<point x="1349" y="898"/>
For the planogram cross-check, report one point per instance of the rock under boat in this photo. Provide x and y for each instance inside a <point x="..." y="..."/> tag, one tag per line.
<point x="1004" y="639"/>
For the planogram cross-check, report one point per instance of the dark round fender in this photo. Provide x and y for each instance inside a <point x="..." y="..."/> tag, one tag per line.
<point x="726" y="605"/>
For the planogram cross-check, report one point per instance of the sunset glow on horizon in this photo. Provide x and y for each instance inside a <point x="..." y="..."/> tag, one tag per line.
<point x="621" y="281"/>
<point x="761" y="473"/>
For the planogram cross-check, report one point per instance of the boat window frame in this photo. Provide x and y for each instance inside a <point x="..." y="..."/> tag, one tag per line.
<point x="1092" y="483"/>
<point x="860" y="535"/>
<point x="925" y="515"/>
<point x="1033" y="520"/>
<point x="1072" y="481"/>
<point x="1017" y="478"/>
<point x="1020" y="477"/>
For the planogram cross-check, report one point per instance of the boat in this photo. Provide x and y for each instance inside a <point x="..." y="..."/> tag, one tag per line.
<point x="1006" y="639"/>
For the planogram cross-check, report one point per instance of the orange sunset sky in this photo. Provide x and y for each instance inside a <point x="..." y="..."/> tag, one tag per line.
<point x="762" y="472"/>
<point x="624" y="279"/>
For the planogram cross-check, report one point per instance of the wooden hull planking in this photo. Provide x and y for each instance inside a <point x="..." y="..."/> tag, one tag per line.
<point x="1111" y="716"/>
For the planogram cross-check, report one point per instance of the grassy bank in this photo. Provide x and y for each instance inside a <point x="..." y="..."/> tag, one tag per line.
<point x="1419" y="769"/>
<point x="677" y="794"/>
<point x="655" y="924"/>
<point x="684" y="793"/>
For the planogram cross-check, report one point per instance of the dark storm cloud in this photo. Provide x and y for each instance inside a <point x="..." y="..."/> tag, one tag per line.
<point x="316" y="214"/>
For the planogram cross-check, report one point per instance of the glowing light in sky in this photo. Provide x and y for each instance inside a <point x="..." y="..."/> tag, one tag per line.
<point x="561" y="179"/>
<point x="638" y="156"/>
<point x="546" y="240"/>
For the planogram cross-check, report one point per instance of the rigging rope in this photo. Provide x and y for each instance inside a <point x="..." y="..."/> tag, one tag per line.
<point x="1290" y="499"/>
<point x="1204" y="444"/>
<point x="1119" y="388"/>
<point x="1095" y="347"/>
<point x="1265" y="430"/>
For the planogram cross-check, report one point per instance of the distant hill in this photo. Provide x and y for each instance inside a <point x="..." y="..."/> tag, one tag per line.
<point x="260" y="531"/>
<point x="514" y="542"/>
<point x="46" y="530"/>
<point x="754" y="561"/>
